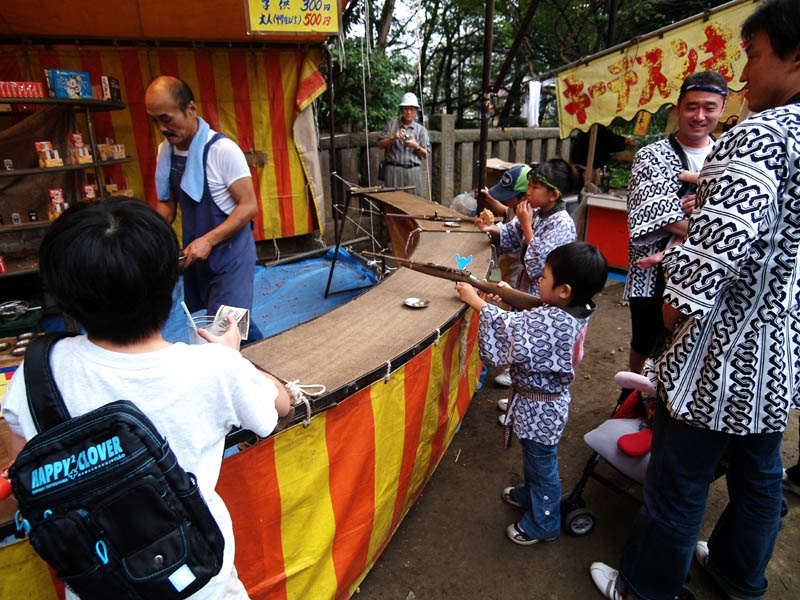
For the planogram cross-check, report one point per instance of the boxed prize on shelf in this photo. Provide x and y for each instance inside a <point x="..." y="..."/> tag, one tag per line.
<point x="110" y="87"/>
<point x="111" y="151"/>
<point x="47" y="156"/>
<point x="57" y="204"/>
<point x="21" y="89"/>
<point x="68" y="84"/>
<point x="78" y="152"/>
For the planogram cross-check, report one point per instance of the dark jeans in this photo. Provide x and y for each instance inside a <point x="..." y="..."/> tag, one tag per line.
<point x="683" y="462"/>
<point x="540" y="495"/>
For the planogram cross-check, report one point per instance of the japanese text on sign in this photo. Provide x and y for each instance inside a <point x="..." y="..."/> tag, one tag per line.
<point x="293" y="16"/>
<point x="649" y="74"/>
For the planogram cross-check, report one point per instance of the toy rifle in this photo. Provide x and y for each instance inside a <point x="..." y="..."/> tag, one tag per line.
<point x="512" y="297"/>
<point x="435" y="217"/>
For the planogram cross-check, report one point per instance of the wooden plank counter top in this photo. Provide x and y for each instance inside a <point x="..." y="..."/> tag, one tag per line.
<point x="358" y="338"/>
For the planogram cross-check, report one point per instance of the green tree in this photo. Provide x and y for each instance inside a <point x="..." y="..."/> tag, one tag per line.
<point x="385" y="84"/>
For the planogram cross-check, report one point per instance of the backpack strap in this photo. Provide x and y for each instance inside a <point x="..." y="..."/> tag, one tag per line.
<point x="44" y="400"/>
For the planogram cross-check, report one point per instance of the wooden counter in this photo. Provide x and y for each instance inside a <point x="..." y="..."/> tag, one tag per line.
<point x="354" y="344"/>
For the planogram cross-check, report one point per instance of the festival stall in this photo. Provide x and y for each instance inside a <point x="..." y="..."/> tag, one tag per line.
<point x="634" y="80"/>
<point x="315" y="504"/>
<point x="249" y="87"/>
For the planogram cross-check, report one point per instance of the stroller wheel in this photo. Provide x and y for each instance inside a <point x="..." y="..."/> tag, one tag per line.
<point x="579" y="522"/>
<point x="784" y="506"/>
<point x="567" y="505"/>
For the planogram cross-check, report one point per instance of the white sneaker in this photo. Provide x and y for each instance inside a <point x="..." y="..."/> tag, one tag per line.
<point x="508" y="499"/>
<point x="701" y="553"/>
<point x="502" y="404"/>
<point x="605" y="578"/>
<point x="503" y="379"/>
<point x="790" y="485"/>
<point x="502" y="419"/>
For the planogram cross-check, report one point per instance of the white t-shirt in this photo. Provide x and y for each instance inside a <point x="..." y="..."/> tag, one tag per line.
<point x="194" y="395"/>
<point x="225" y="165"/>
<point x="695" y="157"/>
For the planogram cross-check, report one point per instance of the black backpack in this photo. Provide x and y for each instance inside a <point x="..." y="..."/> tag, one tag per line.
<point x="104" y="500"/>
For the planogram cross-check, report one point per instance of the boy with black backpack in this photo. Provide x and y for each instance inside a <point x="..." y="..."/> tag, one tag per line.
<point x="113" y="266"/>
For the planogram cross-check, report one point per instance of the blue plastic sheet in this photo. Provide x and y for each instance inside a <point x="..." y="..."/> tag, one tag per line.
<point x="289" y="294"/>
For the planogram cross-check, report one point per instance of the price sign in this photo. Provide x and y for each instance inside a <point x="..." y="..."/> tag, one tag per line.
<point x="293" y="16"/>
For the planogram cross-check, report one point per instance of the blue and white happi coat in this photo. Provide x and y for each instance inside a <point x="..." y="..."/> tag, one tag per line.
<point x="734" y="364"/>
<point x="538" y="344"/>
<point x="653" y="204"/>
<point x="550" y="231"/>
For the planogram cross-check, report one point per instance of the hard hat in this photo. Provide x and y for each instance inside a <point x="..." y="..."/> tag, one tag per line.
<point x="409" y="99"/>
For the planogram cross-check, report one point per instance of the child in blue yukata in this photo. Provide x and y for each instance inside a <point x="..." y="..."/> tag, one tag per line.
<point x="538" y="344"/>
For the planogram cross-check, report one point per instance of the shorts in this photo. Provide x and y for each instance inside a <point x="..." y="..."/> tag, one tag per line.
<point x="647" y="321"/>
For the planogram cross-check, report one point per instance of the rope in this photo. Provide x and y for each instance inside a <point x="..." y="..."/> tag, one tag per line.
<point x="388" y="371"/>
<point x="438" y="337"/>
<point x="364" y="94"/>
<point x="300" y="394"/>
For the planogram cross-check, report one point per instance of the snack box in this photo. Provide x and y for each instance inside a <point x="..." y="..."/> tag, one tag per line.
<point x="111" y="89"/>
<point x="47" y="156"/>
<point x="68" y="84"/>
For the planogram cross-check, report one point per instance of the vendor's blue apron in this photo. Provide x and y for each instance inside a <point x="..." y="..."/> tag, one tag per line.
<point x="226" y="276"/>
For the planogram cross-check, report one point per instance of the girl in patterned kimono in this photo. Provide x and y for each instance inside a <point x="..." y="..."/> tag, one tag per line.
<point x="538" y="344"/>
<point x="542" y="223"/>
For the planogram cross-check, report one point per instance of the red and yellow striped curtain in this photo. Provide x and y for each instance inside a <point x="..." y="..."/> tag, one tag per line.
<point x="252" y="96"/>
<point x="314" y="508"/>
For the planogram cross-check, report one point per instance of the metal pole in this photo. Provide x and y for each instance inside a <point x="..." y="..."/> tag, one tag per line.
<point x="488" y="33"/>
<point x="332" y="142"/>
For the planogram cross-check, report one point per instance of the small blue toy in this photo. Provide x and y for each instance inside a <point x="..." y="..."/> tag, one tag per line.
<point x="463" y="262"/>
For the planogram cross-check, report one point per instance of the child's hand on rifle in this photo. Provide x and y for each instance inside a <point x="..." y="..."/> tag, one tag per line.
<point x="469" y="295"/>
<point x="494" y="297"/>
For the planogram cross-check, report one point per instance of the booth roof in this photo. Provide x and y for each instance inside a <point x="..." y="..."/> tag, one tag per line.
<point x="182" y="20"/>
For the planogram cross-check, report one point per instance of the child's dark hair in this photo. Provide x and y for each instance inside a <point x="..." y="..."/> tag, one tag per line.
<point x="112" y="265"/>
<point x="582" y="266"/>
<point x="560" y="173"/>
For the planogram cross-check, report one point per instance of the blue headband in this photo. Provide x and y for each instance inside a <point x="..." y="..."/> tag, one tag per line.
<point x="702" y="87"/>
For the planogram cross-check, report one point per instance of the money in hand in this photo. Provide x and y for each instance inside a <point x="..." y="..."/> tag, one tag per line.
<point x="241" y="316"/>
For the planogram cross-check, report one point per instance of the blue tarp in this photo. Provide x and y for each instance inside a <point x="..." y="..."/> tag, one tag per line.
<point x="289" y="294"/>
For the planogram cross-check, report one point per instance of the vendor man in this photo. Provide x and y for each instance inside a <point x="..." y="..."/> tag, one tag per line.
<point x="407" y="144"/>
<point x="208" y="175"/>
<point x="660" y="196"/>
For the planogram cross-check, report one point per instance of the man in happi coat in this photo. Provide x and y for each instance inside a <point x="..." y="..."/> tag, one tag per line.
<point x="655" y="210"/>
<point x="730" y="376"/>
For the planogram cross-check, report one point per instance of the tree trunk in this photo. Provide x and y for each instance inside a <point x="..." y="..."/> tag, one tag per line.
<point x="384" y="26"/>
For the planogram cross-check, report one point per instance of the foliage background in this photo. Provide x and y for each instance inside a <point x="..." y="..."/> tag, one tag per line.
<point x="443" y="39"/>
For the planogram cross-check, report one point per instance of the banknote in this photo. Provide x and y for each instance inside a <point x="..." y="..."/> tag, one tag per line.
<point x="241" y="316"/>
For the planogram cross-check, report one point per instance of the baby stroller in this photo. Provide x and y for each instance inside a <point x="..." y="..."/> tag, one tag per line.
<point x="623" y="441"/>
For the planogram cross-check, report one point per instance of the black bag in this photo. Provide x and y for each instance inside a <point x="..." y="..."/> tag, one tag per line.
<point x="382" y="170"/>
<point x="105" y="501"/>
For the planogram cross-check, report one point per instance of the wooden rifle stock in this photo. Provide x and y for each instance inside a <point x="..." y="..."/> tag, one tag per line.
<point x="512" y="297"/>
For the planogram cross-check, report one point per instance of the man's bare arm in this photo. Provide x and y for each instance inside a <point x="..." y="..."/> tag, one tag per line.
<point x="167" y="209"/>
<point x="244" y="196"/>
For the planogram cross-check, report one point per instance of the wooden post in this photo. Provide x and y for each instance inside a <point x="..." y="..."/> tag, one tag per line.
<point x="580" y="215"/>
<point x="443" y="177"/>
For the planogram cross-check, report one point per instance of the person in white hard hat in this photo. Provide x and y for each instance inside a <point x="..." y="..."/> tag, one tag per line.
<point x="407" y="144"/>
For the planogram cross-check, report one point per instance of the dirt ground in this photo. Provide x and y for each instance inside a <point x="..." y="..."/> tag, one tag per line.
<point x="452" y="543"/>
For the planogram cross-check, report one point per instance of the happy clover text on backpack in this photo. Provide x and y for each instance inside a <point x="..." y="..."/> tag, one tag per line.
<point x="105" y="501"/>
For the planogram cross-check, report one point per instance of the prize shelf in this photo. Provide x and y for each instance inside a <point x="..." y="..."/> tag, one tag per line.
<point x="16" y="106"/>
